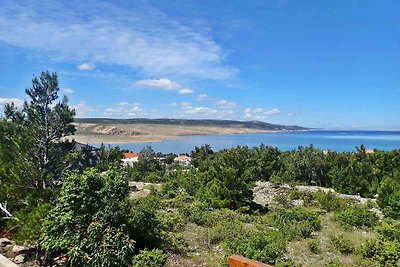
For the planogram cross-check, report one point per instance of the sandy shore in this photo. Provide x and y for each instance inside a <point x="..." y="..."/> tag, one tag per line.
<point x="141" y="133"/>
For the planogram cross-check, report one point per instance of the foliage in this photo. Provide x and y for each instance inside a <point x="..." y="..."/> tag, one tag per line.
<point x="33" y="153"/>
<point x="149" y="258"/>
<point x="295" y="222"/>
<point x="314" y="245"/>
<point x="90" y="220"/>
<point x="102" y="246"/>
<point x="144" y="222"/>
<point x="29" y="224"/>
<point x="386" y="252"/>
<point x="356" y="216"/>
<point x="264" y="246"/>
<point x="342" y="244"/>
<point x="389" y="229"/>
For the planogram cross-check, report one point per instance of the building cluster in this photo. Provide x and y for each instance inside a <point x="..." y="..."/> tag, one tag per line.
<point x="130" y="158"/>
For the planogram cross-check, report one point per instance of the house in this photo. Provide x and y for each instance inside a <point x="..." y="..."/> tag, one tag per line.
<point x="369" y="151"/>
<point x="130" y="158"/>
<point x="183" y="159"/>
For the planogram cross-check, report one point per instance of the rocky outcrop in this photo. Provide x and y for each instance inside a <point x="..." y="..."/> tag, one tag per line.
<point x="15" y="253"/>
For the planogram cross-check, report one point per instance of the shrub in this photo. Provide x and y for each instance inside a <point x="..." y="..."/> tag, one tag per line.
<point x="393" y="208"/>
<point x="387" y="253"/>
<point x="102" y="246"/>
<point x="143" y="222"/>
<point x="283" y="200"/>
<point x="330" y="202"/>
<point x="30" y="223"/>
<point x="264" y="246"/>
<point x="149" y="258"/>
<point x="356" y="216"/>
<point x="176" y="242"/>
<point x="195" y="212"/>
<point x="224" y="230"/>
<point x="89" y="223"/>
<point x="389" y="229"/>
<point x="342" y="244"/>
<point x="296" y="222"/>
<point x="314" y="245"/>
<point x="171" y="221"/>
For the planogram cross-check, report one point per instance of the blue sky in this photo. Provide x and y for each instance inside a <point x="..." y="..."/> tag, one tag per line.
<point x="328" y="64"/>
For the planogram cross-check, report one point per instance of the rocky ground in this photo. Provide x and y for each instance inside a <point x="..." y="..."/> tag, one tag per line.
<point x="20" y="255"/>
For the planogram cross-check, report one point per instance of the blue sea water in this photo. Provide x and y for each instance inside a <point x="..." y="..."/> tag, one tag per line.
<point x="333" y="140"/>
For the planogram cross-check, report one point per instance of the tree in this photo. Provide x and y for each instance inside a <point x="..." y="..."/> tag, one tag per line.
<point x="32" y="150"/>
<point x="90" y="222"/>
<point x="47" y="122"/>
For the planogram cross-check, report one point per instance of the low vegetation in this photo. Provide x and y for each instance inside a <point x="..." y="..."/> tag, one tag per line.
<point x="74" y="205"/>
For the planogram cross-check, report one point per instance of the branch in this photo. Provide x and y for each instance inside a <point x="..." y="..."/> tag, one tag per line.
<point x="3" y="208"/>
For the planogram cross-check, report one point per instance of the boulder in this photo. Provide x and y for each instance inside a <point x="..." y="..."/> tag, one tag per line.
<point x="4" y="242"/>
<point x="21" y="258"/>
<point x="20" y="249"/>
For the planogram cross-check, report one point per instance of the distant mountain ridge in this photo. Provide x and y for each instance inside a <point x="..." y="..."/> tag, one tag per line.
<point x="259" y="125"/>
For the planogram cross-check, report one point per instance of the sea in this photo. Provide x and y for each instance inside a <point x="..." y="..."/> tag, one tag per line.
<point x="340" y="141"/>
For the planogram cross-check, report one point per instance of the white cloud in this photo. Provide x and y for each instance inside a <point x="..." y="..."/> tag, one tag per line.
<point x="140" y="37"/>
<point x="273" y="111"/>
<point x="201" y="97"/>
<point x="17" y="102"/>
<point x="67" y="91"/>
<point x="293" y="114"/>
<point x="260" y="113"/>
<point x="86" y="66"/>
<point x="126" y="104"/>
<point x="82" y="110"/>
<point x="125" y="109"/>
<point x="185" y="91"/>
<point x="226" y="104"/>
<point x="199" y="110"/>
<point x="164" y="84"/>
<point x="136" y="109"/>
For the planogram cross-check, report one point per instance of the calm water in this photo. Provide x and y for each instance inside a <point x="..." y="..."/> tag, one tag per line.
<point x="334" y="140"/>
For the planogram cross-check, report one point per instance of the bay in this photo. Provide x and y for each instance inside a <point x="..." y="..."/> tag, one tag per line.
<point x="327" y="140"/>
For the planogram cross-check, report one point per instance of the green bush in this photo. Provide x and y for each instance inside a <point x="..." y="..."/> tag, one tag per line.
<point x="144" y="223"/>
<point x="176" y="242"/>
<point x="90" y="221"/>
<point x="149" y="258"/>
<point x="387" y="253"/>
<point x="342" y="244"/>
<point x="393" y="208"/>
<point x="335" y="263"/>
<point x="264" y="246"/>
<point x="330" y="202"/>
<point x="389" y="229"/>
<point x="356" y="216"/>
<point x="195" y="212"/>
<point x="314" y="245"/>
<point x="296" y="222"/>
<point x="171" y="221"/>
<point x="102" y="246"/>
<point x="30" y="223"/>
<point x="224" y="230"/>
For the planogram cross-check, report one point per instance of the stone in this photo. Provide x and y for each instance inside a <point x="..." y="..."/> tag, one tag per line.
<point x="4" y="242"/>
<point x="20" y="249"/>
<point x="21" y="258"/>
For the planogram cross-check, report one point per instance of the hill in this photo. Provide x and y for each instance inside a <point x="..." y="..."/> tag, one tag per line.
<point x="192" y="122"/>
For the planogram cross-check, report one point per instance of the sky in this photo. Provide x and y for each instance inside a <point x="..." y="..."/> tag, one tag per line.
<point x="324" y="64"/>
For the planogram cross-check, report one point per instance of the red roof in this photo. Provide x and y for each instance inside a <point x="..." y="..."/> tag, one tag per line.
<point x="131" y="155"/>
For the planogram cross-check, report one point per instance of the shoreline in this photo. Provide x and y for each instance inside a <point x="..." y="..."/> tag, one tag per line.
<point x="125" y="139"/>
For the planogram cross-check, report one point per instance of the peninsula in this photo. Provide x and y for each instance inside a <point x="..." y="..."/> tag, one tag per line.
<point x="104" y="130"/>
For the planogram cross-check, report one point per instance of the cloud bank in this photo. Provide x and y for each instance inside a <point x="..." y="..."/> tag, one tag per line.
<point x="143" y="38"/>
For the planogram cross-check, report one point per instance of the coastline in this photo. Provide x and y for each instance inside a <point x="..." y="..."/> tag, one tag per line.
<point x="124" y="139"/>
